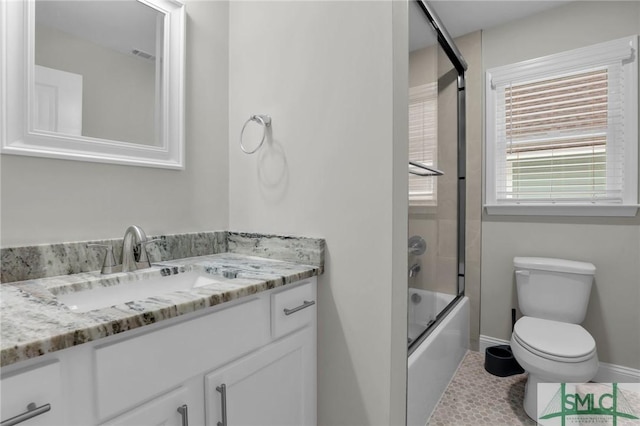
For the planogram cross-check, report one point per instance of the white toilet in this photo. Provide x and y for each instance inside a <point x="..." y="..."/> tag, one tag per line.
<point x="547" y="341"/>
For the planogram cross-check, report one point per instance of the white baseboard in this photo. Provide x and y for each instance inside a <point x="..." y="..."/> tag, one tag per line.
<point x="486" y="341"/>
<point x="612" y="373"/>
<point x="607" y="373"/>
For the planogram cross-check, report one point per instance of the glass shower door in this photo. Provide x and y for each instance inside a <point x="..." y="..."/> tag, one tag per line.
<point x="435" y="264"/>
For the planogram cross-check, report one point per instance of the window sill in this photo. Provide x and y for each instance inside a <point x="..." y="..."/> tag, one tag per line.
<point x="561" y="210"/>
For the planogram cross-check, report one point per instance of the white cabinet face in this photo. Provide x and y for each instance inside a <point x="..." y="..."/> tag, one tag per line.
<point x="292" y="309"/>
<point x="33" y="395"/>
<point x="167" y="410"/>
<point x="179" y="352"/>
<point x="273" y="386"/>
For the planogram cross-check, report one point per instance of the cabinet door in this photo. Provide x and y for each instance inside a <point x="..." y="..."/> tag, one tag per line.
<point x="33" y="395"/>
<point x="166" y="410"/>
<point x="275" y="385"/>
<point x="182" y="350"/>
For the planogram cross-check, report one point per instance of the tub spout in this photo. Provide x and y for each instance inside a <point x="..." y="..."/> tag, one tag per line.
<point x="413" y="270"/>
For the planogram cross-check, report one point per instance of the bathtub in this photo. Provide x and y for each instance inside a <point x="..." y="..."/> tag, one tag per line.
<point x="433" y="363"/>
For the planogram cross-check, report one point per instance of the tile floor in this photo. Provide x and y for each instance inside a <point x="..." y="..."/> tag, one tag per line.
<point x="475" y="397"/>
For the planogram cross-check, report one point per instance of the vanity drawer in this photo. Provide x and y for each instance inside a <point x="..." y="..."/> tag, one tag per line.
<point x="293" y="308"/>
<point x="39" y="388"/>
<point x="137" y="369"/>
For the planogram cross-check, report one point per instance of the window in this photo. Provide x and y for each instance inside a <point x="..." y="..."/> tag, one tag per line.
<point x="562" y="133"/>
<point x="423" y="141"/>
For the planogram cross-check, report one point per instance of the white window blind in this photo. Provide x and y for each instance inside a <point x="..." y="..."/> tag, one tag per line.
<point x="423" y="141"/>
<point x="561" y="130"/>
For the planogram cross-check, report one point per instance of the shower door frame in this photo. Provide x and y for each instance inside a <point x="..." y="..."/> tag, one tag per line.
<point x="453" y="53"/>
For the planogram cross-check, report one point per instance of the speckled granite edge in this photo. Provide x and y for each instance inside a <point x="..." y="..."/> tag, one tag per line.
<point x="50" y="260"/>
<point x="309" y="251"/>
<point x="35" y="323"/>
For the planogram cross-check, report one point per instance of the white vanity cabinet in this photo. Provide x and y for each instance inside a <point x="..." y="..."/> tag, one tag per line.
<point x="257" y="360"/>
<point x="167" y="373"/>
<point x="32" y="397"/>
<point x="132" y="371"/>
<point x="171" y="409"/>
<point x="276" y="385"/>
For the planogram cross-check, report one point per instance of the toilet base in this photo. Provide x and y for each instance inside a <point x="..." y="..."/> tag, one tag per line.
<point x="530" y="403"/>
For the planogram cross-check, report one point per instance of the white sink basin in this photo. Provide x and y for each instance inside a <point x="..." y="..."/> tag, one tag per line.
<point x="103" y="297"/>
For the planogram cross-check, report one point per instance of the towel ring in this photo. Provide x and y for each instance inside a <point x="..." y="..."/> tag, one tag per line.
<point x="264" y="121"/>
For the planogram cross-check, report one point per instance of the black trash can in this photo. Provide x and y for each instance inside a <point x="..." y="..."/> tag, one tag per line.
<point x="499" y="361"/>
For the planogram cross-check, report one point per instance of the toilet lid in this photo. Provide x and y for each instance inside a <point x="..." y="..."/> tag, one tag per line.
<point x="553" y="339"/>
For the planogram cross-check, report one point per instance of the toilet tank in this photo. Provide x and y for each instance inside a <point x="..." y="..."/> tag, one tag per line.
<point x="554" y="289"/>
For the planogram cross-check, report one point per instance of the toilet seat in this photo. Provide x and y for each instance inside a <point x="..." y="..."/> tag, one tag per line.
<point x="554" y="340"/>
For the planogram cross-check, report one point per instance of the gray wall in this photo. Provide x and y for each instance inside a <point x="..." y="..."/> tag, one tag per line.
<point x="613" y="245"/>
<point x="46" y="200"/>
<point x="333" y="77"/>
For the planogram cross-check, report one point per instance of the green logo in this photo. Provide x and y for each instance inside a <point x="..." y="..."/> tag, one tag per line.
<point x="595" y="403"/>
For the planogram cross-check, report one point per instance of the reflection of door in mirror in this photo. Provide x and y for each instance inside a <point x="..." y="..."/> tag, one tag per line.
<point x="58" y="101"/>
<point x="115" y="48"/>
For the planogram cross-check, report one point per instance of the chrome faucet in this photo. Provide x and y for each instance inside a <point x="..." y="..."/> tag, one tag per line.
<point x="134" y="236"/>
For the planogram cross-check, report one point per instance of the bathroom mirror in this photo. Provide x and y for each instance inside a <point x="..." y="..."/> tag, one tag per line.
<point x="93" y="80"/>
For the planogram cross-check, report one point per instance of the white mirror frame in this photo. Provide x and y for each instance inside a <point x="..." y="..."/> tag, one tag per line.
<point x="17" y="24"/>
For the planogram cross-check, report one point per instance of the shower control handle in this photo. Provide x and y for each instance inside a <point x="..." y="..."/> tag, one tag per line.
<point x="417" y="245"/>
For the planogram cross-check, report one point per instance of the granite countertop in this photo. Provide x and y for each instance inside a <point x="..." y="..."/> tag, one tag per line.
<point x="34" y="322"/>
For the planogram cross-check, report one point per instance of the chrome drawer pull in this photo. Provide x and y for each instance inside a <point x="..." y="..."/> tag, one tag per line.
<point x="223" y="403"/>
<point x="32" y="411"/>
<point x="185" y="415"/>
<point x="306" y="304"/>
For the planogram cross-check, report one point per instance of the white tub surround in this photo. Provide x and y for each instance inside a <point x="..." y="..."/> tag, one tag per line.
<point x="34" y="322"/>
<point x="433" y="364"/>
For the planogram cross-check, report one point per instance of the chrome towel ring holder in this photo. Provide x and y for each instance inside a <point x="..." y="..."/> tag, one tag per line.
<point x="265" y="122"/>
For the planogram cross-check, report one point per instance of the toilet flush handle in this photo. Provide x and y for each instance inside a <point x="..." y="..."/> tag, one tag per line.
<point x="522" y="273"/>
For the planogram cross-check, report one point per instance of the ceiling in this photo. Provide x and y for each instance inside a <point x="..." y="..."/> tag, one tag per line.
<point x="464" y="17"/>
